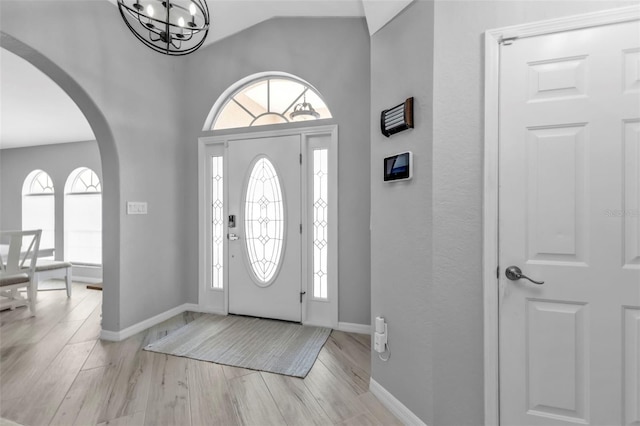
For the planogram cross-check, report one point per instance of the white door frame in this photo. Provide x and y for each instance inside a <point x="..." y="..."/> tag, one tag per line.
<point x="493" y="39"/>
<point x="321" y="313"/>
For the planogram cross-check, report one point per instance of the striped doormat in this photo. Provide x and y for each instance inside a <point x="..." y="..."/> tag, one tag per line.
<point x="257" y="344"/>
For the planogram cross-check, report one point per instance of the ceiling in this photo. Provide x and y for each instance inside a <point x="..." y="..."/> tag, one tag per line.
<point x="35" y="111"/>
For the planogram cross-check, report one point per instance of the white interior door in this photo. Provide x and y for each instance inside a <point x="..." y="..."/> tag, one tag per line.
<point x="569" y="216"/>
<point x="264" y="178"/>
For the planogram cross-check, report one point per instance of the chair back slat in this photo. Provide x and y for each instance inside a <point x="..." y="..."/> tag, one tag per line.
<point x="20" y="259"/>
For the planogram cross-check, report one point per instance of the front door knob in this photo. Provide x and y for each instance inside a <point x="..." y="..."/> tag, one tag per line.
<point x="514" y="274"/>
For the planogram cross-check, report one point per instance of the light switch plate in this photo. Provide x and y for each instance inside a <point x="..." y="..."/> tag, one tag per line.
<point x="136" y="207"/>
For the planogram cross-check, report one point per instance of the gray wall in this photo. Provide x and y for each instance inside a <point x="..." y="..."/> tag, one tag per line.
<point x="127" y="94"/>
<point x="58" y="161"/>
<point x="147" y="111"/>
<point x="401" y="213"/>
<point x="332" y="54"/>
<point x="439" y="376"/>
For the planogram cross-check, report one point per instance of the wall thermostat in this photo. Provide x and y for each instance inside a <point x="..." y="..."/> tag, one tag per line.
<point x="398" y="167"/>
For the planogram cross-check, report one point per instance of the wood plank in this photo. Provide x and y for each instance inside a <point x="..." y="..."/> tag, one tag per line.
<point x="353" y="348"/>
<point x="131" y="381"/>
<point x="333" y="393"/>
<point x="364" y="339"/>
<point x="106" y="353"/>
<point x="211" y="401"/>
<point x="168" y="397"/>
<point x="118" y="389"/>
<point x="80" y="405"/>
<point x="295" y="401"/>
<point x="135" y="419"/>
<point x="84" y="308"/>
<point x="22" y="366"/>
<point x="7" y="422"/>
<point x="337" y="360"/>
<point x="43" y="399"/>
<point x="158" y="331"/>
<point x="364" y="419"/>
<point x="254" y="404"/>
<point x="91" y="327"/>
<point x="379" y="411"/>
<point x="33" y="329"/>
<point x="233" y="372"/>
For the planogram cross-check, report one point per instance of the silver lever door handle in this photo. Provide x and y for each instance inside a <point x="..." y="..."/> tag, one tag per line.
<point x="514" y="274"/>
<point x="232" y="237"/>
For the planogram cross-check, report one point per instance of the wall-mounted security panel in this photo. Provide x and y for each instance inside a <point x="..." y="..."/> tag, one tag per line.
<point x="397" y="119"/>
<point x="398" y="167"/>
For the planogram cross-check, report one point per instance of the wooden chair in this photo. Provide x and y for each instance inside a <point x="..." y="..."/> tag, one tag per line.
<point x="18" y="269"/>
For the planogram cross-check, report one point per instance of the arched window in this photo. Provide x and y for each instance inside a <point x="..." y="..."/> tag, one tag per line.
<point x="83" y="218"/>
<point x="39" y="207"/>
<point x="273" y="99"/>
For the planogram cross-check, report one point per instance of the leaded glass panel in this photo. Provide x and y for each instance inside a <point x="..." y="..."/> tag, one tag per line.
<point x="217" y="223"/>
<point x="264" y="221"/>
<point x="320" y="222"/>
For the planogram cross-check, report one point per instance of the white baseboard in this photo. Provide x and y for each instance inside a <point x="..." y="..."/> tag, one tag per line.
<point x="349" y="327"/>
<point x="396" y="407"/>
<point x="116" y="336"/>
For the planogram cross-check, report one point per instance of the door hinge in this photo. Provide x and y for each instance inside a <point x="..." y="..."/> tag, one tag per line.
<point x="301" y="228"/>
<point x="302" y="293"/>
<point x="507" y="41"/>
<point x="300" y="158"/>
<point x="498" y="272"/>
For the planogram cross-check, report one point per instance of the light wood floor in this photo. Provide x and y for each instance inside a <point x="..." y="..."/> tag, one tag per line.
<point x="54" y="370"/>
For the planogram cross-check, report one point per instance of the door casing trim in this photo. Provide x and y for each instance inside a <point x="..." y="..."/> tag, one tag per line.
<point x="493" y="39"/>
<point x="222" y="140"/>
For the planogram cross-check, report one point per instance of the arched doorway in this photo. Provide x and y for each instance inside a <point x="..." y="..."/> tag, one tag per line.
<point x="110" y="168"/>
<point x="269" y="202"/>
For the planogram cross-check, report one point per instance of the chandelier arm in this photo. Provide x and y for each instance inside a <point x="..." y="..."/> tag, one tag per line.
<point x="175" y="46"/>
<point x="185" y="38"/>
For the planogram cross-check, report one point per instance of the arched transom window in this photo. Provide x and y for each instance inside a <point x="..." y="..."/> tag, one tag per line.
<point x="270" y="100"/>
<point x="39" y="206"/>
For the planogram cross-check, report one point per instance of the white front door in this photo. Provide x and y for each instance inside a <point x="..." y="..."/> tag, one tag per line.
<point x="569" y="215"/>
<point x="264" y="201"/>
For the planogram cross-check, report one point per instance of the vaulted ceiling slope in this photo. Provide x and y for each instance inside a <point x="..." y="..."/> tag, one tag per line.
<point x="35" y="111"/>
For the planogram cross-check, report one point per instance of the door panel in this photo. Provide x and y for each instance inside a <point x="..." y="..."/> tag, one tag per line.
<point x="631" y="167"/>
<point x="265" y="259"/>
<point x="569" y="216"/>
<point x="557" y="331"/>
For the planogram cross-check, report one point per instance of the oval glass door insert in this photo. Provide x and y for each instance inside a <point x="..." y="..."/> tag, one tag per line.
<point x="264" y="221"/>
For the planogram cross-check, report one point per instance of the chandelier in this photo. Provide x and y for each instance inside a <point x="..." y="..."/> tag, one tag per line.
<point x="172" y="27"/>
<point x="304" y="111"/>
